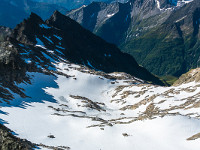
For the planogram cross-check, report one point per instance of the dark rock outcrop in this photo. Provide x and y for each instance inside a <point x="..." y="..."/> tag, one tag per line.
<point x="9" y="142"/>
<point x="4" y="33"/>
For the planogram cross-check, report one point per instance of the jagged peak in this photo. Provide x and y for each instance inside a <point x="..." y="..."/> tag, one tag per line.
<point x="35" y="16"/>
<point x="56" y="15"/>
<point x="61" y="21"/>
<point x="32" y="19"/>
<point x="26" y="30"/>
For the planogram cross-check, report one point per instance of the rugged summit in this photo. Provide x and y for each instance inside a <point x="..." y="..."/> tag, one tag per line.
<point x="78" y="45"/>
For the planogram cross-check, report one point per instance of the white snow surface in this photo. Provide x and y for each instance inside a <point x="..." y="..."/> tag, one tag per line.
<point x="44" y="26"/>
<point x="40" y="43"/>
<point x="110" y="15"/>
<point x="64" y="107"/>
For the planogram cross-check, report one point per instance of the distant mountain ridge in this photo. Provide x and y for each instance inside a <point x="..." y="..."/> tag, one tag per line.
<point x="12" y="12"/>
<point x="73" y="4"/>
<point x="106" y="20"/>
<point x="145" y="29"/>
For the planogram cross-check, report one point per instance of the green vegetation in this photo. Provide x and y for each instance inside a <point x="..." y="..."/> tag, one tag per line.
<point x="158" y="53"/>
<point x="165" y="51"/>
<point x="169" y="79"/>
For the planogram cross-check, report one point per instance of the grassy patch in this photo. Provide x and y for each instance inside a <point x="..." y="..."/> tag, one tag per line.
<point x="169" y="79"/>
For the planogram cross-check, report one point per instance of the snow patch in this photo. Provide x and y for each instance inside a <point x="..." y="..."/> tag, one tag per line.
<point x="58" y="37"/>
<point x="40" y="44"/>
<point x="44" y="26"/>
<point x="110" y="15"/>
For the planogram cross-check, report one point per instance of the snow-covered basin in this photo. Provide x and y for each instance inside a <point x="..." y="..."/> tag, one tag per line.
<point x="32" y="119"/>
<point x="36" y="123"/>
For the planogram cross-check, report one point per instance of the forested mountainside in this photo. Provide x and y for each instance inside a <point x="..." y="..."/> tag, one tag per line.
<point x="161" y="35"/>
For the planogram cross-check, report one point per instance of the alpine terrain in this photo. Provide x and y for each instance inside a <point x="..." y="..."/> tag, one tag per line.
<point x="62" y="87"/>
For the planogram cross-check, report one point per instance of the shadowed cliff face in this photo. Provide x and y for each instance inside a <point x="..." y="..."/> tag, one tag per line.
<point x="80" y="45"/>
<point x="30" y="43"/>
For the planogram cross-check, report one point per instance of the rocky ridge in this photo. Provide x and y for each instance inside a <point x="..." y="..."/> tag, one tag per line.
<point x="9" y="142"/>
<point x="61" y="34"/>
<point x="4" y="32"/>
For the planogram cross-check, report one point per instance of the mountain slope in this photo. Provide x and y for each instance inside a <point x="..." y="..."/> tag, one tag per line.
<point x="109" y="21"/>
<point x="78" y="45"/>
<point x="161" y="35"/>
<point x="80" y="114"/>
<point x="116" y="19"/>
<point x="171" y="48"/>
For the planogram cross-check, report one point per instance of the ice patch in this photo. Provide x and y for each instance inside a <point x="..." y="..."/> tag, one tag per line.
<point x="110" y="15"/>
<point x="89" y="64"/>
<point x="40" y="44"/>
<point x="28" y="61"/>
<point x="107" y="55"/>
<point x="44" y="26"/>
<point x="48" y="57"/>
<point x="58" y="37"/>
<point x="48" y="39"/>
<point x="60" y="47"/>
